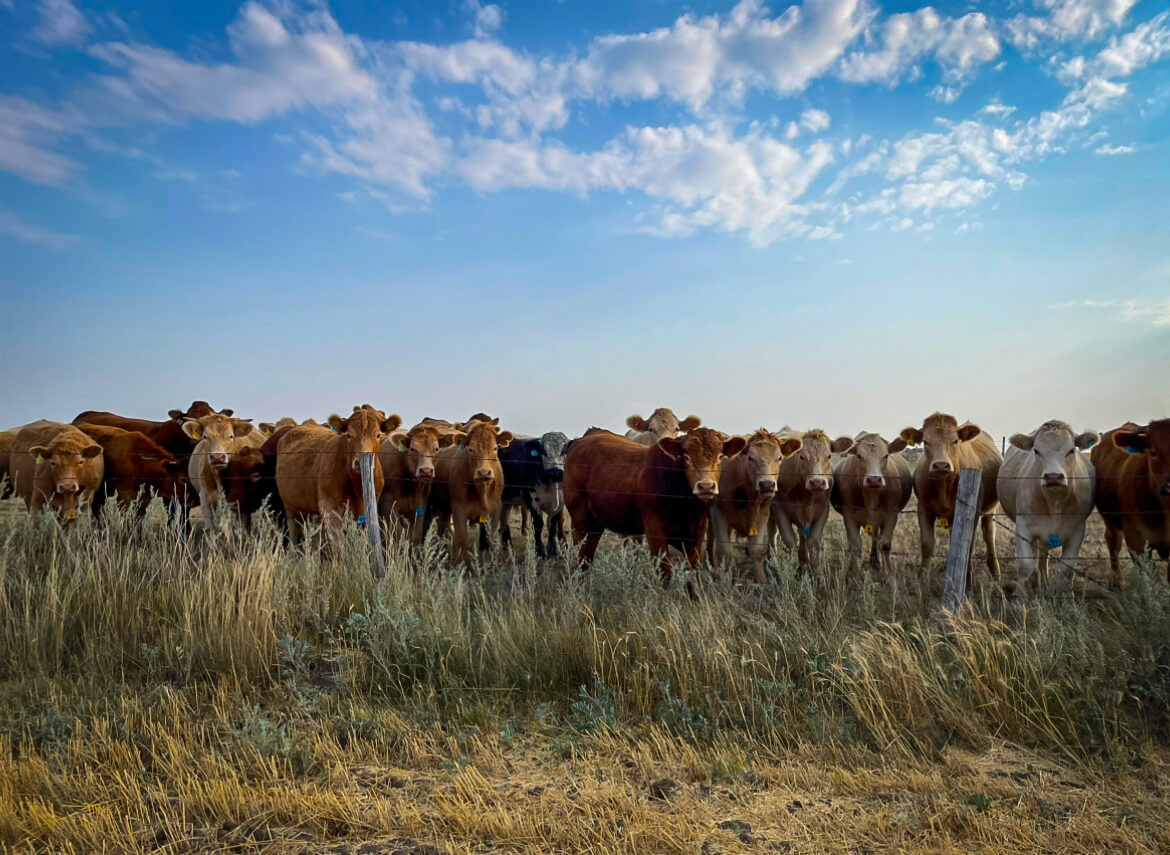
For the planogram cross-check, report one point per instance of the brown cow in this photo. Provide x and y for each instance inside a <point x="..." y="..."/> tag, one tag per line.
<point x="469" y="484"/>
<point x="318" y="469"/>
<point x="661" y="491"/>
<point x="871" y="486"/>
<point x="408" y="467"/>
<point x="249" y="482"/>
<point x="948" y="448"/>
<point x="136" y="468"/>
<point x="1133" y="490"/>
<point x="801" y="507"/>
<point x="747" y="486"/>
<point x="662" y="423"/>
<point x="7" y="438"/>
<point x="269" y="428"/>
<point x="218" y="437"/>
<point x="57" y="465"/>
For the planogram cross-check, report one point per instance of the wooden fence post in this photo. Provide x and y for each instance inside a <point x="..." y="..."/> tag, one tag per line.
<point x="962" y="537"/>
<point x="373" y="525"/>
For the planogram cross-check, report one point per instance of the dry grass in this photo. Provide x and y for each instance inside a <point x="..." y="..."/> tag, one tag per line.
<point x="253" y="699"/>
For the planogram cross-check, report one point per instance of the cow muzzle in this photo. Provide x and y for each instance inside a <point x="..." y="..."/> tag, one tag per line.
<point x="817" y="483"/>
<point x="766" y="486"/>
<point x="941" y="467"/>
<point x="483" y="475"/>
<point x="706" y="489"/>
<point x="217" y="461"/>
<point x="67" y="486"/>
<point x="554" y="476"/>
<point x="1054" y="479"/>
<point x="875" y="482"/>
<point x="424" y="473"/>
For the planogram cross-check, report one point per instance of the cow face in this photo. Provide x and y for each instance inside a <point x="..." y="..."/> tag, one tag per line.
<point x="68" y="461"/>
<point x="362" y="432"/>
<point x="216" y="433"/>
<point x="1054" y="445"/>
<point x="197" y="410"/>
<point x="874" y="453"/>
<point x="269" y="428"/>
<point x="763" y="455"/>
<point x="940" y="437"/>
<point x="420" y="445"/>
<point x="483" y="442"/>
<point x="1153" y="440"/>
<point x="552" y="456"/>
<point x="663" y="422"/>
<point x="811" y="465"/>
<point x="175" y="484"/>
<point x="702" y="452"/>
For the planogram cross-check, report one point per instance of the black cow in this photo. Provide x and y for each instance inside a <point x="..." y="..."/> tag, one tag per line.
<point x="534" y="469"/>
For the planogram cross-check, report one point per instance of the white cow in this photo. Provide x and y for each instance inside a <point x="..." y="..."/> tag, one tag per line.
<point x="218" y="437"/>
<point x="662" y="423"/>
<point x="1047" y="487"/>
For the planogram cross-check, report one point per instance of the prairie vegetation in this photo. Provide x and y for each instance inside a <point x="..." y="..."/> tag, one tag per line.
<point x="252" y="698"/>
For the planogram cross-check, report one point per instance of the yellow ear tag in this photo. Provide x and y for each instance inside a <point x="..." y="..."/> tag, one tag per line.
<point x="753" y="532"/>
<point x="910" y="444"/>
<point x="483" y="518"/>
<point x="402" y="448"/>
<point x="40" y="460"/>
<point x="942" y="521"/>
<point x="869" y="530"/>
<point x="72" y="515"/>
<point x="267" y="432"/>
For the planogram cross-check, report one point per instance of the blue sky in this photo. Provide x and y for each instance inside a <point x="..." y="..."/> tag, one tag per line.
<point x="835" y="213"/>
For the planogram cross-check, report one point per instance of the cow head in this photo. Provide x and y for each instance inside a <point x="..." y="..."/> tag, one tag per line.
<point x="246" y="468"/>
<point x="763" y="456"/>
<point x="197" y="410"/>
<point x="1153" y="441"/>
<point x="702" y="452"/>
<point x="175" y="484"/>
<point x="1055" y="445"/>
<point x="269" y="428"/>
<point x="483" y="441"/>
<point x="874" y="453"/>
<point x="420" y="444"/>
<point x="663" y="422"/>
<point x="69" y="459"/>
<point x="940" y="436"/>
<point x="363" y="431"/>
<point x="553" y="446"/>
<point x="216" y="432"/>
<point x="811" y="466"/>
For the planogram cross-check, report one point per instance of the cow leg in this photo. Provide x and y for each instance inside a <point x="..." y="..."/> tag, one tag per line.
<point x="556" y="531"/>
<point x="926" y="538"/>
<point x="987" y="523"/>
<point x="529" y="506"/>
<point x="1025" y="556"/>
<point x="780" y="520"/>
<point x="718" y="538"/>
<point x="659" y="545"/>
<point x="816" y="535"/>
<point x="1113" y="544"/>
<point x="853" y="533"/>
<point x="504" y="528"/>
<point x="886" y="545"/>
<point x="461" y="539"/>
<point x="757" y="549"/>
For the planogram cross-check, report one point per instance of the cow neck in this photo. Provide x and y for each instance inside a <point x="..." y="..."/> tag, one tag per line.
<point x="469" y="465"/>
<point x="665" y="477"/>
<point x="940" y="493"/>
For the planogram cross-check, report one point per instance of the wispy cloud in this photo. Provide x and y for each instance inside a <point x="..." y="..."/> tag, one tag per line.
<point x="1112" y="150"/>
<point x="12" y="226"/>
<point x="1156" y="312"/>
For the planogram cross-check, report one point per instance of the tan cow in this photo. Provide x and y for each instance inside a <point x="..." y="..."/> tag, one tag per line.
<point x="871" y="486"/>
<point x="662" y="423"/>
<point x="1047" y="487"/>
<point x="469" y="484"/>
<point x="318" y="469"/>
<point x="948" y="448"/>
<point x="57" y="465"/>
<point x="216" y="438"/>
<point x="801" y="507"/>
<point x="747" y="485"/>
<point x="408" y="468"/>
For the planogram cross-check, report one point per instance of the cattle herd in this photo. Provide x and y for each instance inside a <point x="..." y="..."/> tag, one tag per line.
<point x="675" y="483"/>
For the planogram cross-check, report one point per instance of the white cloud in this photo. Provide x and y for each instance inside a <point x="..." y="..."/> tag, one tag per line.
<point x="486" y="18"/>
<point x="1156" y="312"/>
<point x="1066" y="20"/>
<point x="1116" y="149"/>
<point x="995" y="108"/>
<point x="815" y="121"/>
<point x="948" y="193"/>
<point x="29" y="135"/>
<point x="60" y="23"/>
<point x="946" y="94"/>
<point x="904" y="40"/>
<point x="11" y="225"/>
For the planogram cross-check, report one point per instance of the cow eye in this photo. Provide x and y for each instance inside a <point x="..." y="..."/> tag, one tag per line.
<point x="1069" y="452"/>
<point x="1036" y="451"/>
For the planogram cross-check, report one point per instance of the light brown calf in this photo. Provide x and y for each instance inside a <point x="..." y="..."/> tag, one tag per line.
<point x="57" y="465"/>
<point x="216" y="438"/>
<point x="408" y="467"/>
<point x="871" y="486"/>
<point x="801" y="507"/>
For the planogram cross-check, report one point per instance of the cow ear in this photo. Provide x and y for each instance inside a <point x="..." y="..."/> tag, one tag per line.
<point x="734" y="446"/>
<point x="337" y="423"/>
<point x="969" y="432"/>
<point x="670" y="446"/>
<point x="193" y="429"/>
<point x="174" y="467"/>
<point x="176" y="415"/>
<point x="391" y="423"/>
<point x="841" y="444"/>
<point x="91" y="451"/>
<point x="791" y="445"/>
<point x="689" y="423"/>
<point x="912" y="436"/>
<point x="504" y="439"/>
<point x="399" y="439"/>
<point x="267" y="428"/>
<point x="638" y="423"/>
<point x="40" y="452"/>
<point x="446" y="439"/>
<point x="241" y="427"/>
<point x="1022" y="441"/>
<point x="227" y="411"/>
<point x="1132" y="441"/>
<point x="897" y="445"/>
<point x="456" y="436"/>
<point x="1086" y="440"/>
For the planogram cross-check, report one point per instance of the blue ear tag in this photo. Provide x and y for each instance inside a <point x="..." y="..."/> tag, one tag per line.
<point x="807" y="531"/>
<point x="418" y="512"/>
<point x="535" y="453"/>
<point x="1053" y="541"/>
<point x="461" y="447"/>
<point x="362" y="519"/>
<point x="1129" y="449"/>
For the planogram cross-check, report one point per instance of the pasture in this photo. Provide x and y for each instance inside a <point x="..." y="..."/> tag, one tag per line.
<point x="253" y="698"/>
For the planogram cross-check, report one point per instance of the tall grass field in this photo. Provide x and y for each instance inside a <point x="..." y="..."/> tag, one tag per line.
<point x="239" y="696"/>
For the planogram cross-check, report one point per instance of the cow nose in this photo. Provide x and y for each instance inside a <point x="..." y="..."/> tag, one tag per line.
<point x="554" y="476"/>
<point x="67" y="487"/>
<point x="356" y="465"/>
<point x="706" y="488"/>
<point x="484" y="474"/>
<point x="818" y="483"/>
<point x="767" y="485"/>
<point x="218" y="459"/>
<point x="875" y="481"/>
<point x="425" y="472"/>
<point x="941" y="466"/>
<point x="1054" y="479"/>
